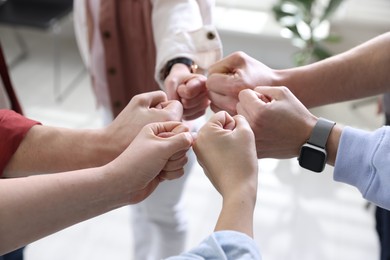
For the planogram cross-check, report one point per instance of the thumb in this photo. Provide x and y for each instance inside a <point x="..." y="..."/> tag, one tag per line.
<point x="272" y="93"/>
<point x="178" y="142"/>
<point x="151" y="99"/>
<point x="223" y="120"/>
<point x="174" y="108"/>
<point x="171" y="84"/>
<point x="249" y="101"/>
<point x="241" y="122"/>
<point x="176" y="135"/>
<point x="251" y="96"/>
<point x="243" y="126"/>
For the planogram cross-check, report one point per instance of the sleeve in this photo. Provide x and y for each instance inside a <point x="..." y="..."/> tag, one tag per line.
<point x="184" y="28"/>
<point x="223" y="245"/>
<point x="13" y="128"/>
<point x="363" y="160"/>
<point x="81" y="29"/>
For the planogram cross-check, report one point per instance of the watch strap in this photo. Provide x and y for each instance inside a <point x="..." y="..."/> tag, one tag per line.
<point x="183" y="60"/>
<point x="321" y="132"/>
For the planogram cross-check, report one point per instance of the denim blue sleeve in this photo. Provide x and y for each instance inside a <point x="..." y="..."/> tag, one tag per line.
<point x="223" y="245"/>
<point x="363" y="160"/>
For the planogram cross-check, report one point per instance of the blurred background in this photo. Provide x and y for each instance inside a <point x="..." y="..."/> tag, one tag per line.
<point x="299" y="214"/>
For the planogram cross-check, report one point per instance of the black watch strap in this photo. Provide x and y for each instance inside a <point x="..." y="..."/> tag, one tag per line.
<point x="167" y="69"/>
<point x="321" y="132"/>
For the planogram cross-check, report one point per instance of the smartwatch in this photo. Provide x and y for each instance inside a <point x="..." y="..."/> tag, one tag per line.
<point x="313" y="154"/>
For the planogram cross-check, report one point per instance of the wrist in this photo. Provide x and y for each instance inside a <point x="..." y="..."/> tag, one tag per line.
<point x="314" y="154"/>
<point x="180" y="67"/>
<point x="288" y="78"/>
<point x="278" y="78"/>
<point x="309" y="125"/>
<point x="118" y="191"/>
<point x="107" y="147"/>
<point x="179" y="60"/>
<point x="237" y="214"/>
<point x="242" y="194"/>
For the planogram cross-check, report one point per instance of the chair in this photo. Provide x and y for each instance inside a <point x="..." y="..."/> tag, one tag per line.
<point x="43" y="15"/>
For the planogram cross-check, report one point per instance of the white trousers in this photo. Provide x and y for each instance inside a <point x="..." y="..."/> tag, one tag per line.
<point x="159" y="222"/>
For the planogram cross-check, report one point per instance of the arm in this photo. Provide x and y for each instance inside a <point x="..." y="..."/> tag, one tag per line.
<point x="33" y="207"/>
<point x="39" y="152"/>
<point x="357" y="73"/>
<point x="282" y="125"/>
<point x="225" y="149"/>
<point x="190" y="36"/>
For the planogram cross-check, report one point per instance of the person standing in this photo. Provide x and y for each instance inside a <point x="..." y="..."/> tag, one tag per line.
<point x="382" y="216"/>
<point x="132" y="47"/>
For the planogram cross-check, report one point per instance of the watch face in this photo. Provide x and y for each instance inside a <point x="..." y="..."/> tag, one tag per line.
<point x="312" y="158"/>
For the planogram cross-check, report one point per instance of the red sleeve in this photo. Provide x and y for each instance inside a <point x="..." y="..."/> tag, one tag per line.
<point x="13" y="128"/>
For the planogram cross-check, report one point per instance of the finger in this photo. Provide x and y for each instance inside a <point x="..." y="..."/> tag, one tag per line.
<point x="178" y="155"/>
<point x="199" y="110"/>
<point x="223" y="120"/>
<point x="171" y="175"/>
<point x="181" y="138"/>
<point x="173" y="107"/>
<point x="224" y="84"/>
<point x="249" y="102"/>
<point x="170" y="103"/>
<point x="223" y="102"/>
<point x="193" y="113"/>
<point x="215" y="108"/>
<point x="193" y="87"/>
<point x="273" y="93"/>
<point x="173" y="165"/>
<point x="248" y="96"/>
<point x="171" y="130"/>
<point x="226" y="65"/>
<point x="151" y="99"/>
<point x="195" y="101"/>
<point x="194" y="116"/>
<point x="242" y="123"/>
<point x="171" y="84"/>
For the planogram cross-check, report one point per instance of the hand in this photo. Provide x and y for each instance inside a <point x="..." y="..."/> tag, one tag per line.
<point x="281" y="123"/>
<point x="157" y="153"/>
<point x="142" y="109"/>
<point x="225" y="148"/>
<point x="189" y="89"/>
<point x="232" y="74"/>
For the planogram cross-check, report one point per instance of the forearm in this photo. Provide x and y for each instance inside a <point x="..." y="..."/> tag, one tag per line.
<point x="237" y="214"/>
<point x="34" y="207"/>
<point x="48" y="150"/>
<point x="357" y="73"/>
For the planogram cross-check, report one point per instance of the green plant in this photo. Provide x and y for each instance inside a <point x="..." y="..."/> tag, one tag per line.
<point x="306" y="23"/>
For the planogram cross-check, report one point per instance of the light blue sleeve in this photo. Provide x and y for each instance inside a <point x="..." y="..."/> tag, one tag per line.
<point x="363" y="160"/>
<point x="223" y="245"/>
